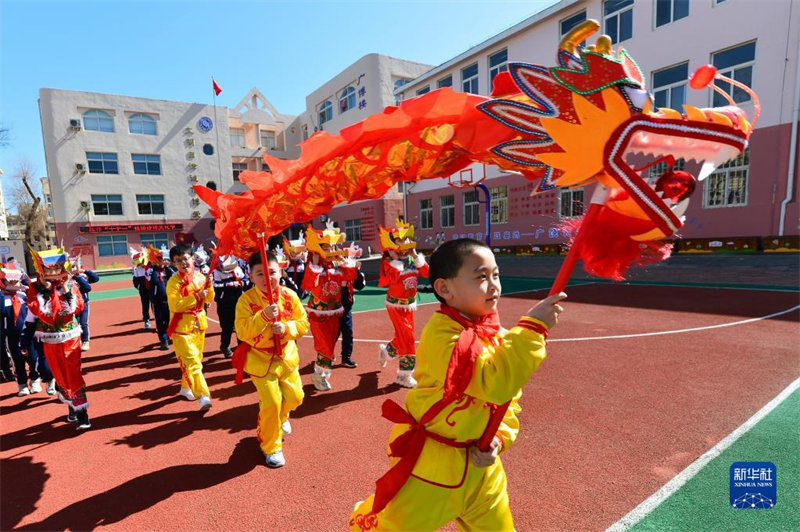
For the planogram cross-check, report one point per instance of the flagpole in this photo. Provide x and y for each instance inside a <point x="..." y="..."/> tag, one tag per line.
<point x="219" y="161"/>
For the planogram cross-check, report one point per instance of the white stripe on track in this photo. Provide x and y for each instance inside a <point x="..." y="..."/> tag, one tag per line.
<point x="652" y="502"/>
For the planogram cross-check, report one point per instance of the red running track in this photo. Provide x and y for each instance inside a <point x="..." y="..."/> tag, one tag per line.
<point x="605" y="423"/>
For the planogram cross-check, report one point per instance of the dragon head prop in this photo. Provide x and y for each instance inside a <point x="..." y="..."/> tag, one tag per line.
<point x="294" y="249"/>
<point x="153" y="256"/>
<point x="138" y="257"/>
<point x="11" y="278"/>
<point x="590" y="119"/>
<point x="283" y="260"/>
<point x="325" y="242"/>
<point x="399" y="239"/>
<point x="52" y="264"/>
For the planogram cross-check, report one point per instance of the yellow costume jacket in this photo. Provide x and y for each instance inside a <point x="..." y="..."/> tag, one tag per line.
<point x="503" y="367"/>
<point x="186" y="308"/>
<point x="254" y="328"/>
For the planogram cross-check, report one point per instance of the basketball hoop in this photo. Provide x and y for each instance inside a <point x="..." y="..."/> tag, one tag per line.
<point x="468" y="177"/>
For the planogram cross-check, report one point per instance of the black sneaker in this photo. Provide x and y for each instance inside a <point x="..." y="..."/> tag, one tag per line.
<point x="83" y="420"/>
<point x="164" y="345"/>
<point x="348" y="362"/>
<point x="72" y="416"/>
<point x="227" y="352"/>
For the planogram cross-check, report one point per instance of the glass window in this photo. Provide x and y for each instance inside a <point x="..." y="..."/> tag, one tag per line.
<point x="727" y="187"/>
<point x="157" y="240"/>
<point x="142" y="124"/>
<point x="107" y="204"/>
<point x="347" y="100"/>
<point x="570" y="22"/>
<point x="426" y="213"/>
<point x="146" y="164"/>
<point x="325" y="112"/>
<point x="499" y="204"/>
<point x="446" y="81"/>
<point x="112" y="245"/>
<point x="469" y="79"/>
<point x="423" y="90"/>
<point x="268" y="140"/>
<point x="102" y="163"/>
<point x="96" y="120"/>
<point x="618" y="19"/>
<point x="238" y="168"/>
<point x="669" y="86"/>
<point x="736" y="63"/>
<point x="352" y="230"/>
<point x="657" y="170"/>
<point x="498" y="62"/>
<point x="237" y="137"/>
<point x="208" y="149"/>
<point x="447" y="211"/>
<point x="671" y="10"/>
<point x="472" y="208"/>
<point x="399" y="83"/>
<point x="150" y="203"/>
<point x="571" y="202"/>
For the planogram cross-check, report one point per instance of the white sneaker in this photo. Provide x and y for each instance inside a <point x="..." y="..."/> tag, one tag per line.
<point x="405" y="379"/>
<point x="23" y="390"/>
<point x="286" y="427"/>
<point x="85" y="346"/>
<point x="383" y="356"/>
<point x="51" y="387"/>
<point x="320" y="382"/>
<point x="146" y="324"/>
<point x="187" y="394"/>
<point x="204" y="403"/>
<point x="36" y="386"/>
<point x="276" y="460"/>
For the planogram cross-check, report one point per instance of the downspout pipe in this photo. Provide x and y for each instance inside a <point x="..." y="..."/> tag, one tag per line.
<point x="792" y="147"/>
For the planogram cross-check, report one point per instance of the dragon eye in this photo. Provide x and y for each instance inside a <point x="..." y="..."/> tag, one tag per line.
<point x="638" y="97"/>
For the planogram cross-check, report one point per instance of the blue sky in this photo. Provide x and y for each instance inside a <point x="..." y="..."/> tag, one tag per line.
<point x="169" y="50"/>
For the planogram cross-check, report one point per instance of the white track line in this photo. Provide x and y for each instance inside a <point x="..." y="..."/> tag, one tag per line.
<point x="652" y="502"/>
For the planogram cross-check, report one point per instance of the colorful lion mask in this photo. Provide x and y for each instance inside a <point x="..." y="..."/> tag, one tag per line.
<point x="52" y="264"/>
<point x="399" y="238"/>
<point x="330" y="236"/>
<point x="11" y="277"/>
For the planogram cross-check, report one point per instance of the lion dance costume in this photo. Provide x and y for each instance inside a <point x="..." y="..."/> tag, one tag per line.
<point x="400" y="269"/>
<point x="54" y="299"/>
<point x="323" y="281"/>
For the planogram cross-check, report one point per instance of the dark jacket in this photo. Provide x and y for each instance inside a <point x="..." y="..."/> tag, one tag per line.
<point x="348" y="288"/>
<point x="85" y="283"/>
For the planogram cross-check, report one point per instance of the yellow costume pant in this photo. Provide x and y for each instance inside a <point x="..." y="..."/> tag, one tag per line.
<point x="277" y="396"/>
<point x="481" y="503"/>
<point x="189" y="350"/>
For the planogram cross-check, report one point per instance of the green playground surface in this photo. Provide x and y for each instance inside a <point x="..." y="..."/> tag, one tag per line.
<point x="703" y="502"/>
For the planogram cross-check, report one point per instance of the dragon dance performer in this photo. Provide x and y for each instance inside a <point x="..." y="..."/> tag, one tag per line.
<point x="400" y="268"/>
<point x="323" y="279"/>
<point x="273" y="367"/>
<point x="467" y="365"/>
<point x="188" y="292"/>
<point x="139" y="260"/>
<point x="230" y="279"/>
<point x="295" y="252"/>
<point x="55" y="300"/>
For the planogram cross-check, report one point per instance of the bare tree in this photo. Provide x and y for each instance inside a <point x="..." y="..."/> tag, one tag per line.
<point x="29" y="205"/>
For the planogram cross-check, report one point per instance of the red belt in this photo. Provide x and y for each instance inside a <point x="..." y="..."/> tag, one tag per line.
<point x="408" y="446"/>
<point x="176" y="318"/>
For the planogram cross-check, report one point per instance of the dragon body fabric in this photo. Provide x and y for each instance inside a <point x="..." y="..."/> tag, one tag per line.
<point x="579" y="123"/>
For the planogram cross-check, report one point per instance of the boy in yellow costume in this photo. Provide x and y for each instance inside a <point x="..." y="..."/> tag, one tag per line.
<point x="188" y="293"/>
<point x="466" y="365"/>
<point x="268" y="352"/>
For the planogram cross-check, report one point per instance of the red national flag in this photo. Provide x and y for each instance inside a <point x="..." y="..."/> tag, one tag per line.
<point x="217" y="88"/>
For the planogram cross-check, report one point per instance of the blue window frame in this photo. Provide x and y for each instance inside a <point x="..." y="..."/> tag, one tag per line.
<point x="347" y="100"/>
<point x="618" y="19"/>
<point x="142" y="124"/>
<point x="325" y="113"/>
<point x="96" y="120"/>
<point x="150" y="203"/>
<point x="671" y="10"/>
<point x="669" y="86"/>
<point x="469" y="79"/>
<point x="107" y="204"/>
<point x="112" y="245"/>
<point x="157" y="240"/>
<point x="102" y="163"/>
<point x="736" y="63"/>
<point x="146" y="164"/>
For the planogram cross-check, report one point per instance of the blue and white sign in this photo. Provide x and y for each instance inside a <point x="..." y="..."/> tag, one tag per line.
<point x="205" y="124"/>
<point x="754" y="485"/>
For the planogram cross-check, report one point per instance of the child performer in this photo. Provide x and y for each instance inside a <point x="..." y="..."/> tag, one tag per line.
<point x="268" y="352"/>
<point x="295" y="251"/>
<point x="158" y="274"/>
<point x="85" y="279"/>
<point x="323" y="279"/>
<point x="188" y="291"/>
<point x="14" y="314"/>
<point x="348" y="299"/>
<point x="400" y="268"/>
<point x="139" y="259"/>
<point x="467" y="365"/>
<point x="229" y="282"/>
<point x="54" y="299"/>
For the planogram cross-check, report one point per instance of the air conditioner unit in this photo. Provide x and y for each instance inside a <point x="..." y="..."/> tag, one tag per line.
<point x="75" y="124"/>
<point x="80" y="168"/>
<point x="85" y="206"/>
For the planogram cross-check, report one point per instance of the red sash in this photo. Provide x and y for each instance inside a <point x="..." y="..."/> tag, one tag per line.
<point x="199" y="306"/>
